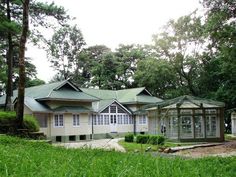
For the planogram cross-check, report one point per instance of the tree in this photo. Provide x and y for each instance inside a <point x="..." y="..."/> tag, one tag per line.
<point x="128" y="56"/>
<point x="64" y="49"/>
<point x="181" y="43"/>
<point x="158" y="76"/>
<point x="89" y="59"/>
<point x="10" y="27"/>
<point x="21" y="87"/>
<point x="34" y="82"/>
<point x="220" y="60"/>
<point x="104" y="73"/>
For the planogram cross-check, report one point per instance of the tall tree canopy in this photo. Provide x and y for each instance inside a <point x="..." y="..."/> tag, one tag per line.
<point x="11" y="15"/>
<point x="64" y="49"/>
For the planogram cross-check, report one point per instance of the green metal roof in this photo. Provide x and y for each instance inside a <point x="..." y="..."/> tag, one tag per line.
<point x="72" y="109"/>
<point x="128" y="96"/>
<point x="54" y="91"/>
<point x="186" y="101"/>
<point x="99" y="106"/>
<point x="35" y="106"/>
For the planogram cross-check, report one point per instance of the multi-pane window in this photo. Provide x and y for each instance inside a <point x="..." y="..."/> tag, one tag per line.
<point x="199" y="132"/>
<point x="211" y="126"/>
<point x="112" y="109"/>
<point x="186" y="126"/>
<point x="119" y="119"/>
<point x="101" y="119"/>
<point x="106" y="119"/>
<point x="106" y="110"/>
<point x="98" y="120"/>
<point x="142" y="119"/>
<point x="58" y="120"/>
<point x="76" y="120"/>
<point x="126" y="119"/>
<point x="120" y="110"/>
<point x="131" y="120"/>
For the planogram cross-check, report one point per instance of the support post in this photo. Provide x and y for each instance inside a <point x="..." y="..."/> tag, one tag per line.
<point x="178" y="115"/>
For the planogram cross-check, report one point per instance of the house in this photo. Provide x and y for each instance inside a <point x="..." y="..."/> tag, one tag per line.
<point x="187" y="118"/>
<point x="233" y="121"/>
<point x="68" y="113"/>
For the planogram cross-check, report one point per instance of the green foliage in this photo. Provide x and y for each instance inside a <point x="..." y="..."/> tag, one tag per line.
<point x="7" y="116"/>
<point x="30" y="123"/>
<point x="150" y="139"/>
<point x="34" y="82"/>
<point x="24" y="158"/>
<point x="142" y="139"/>
<point x="160" y="140"/>
<point x="153" y="139"/>
<point x="134" y="147"/>
<point x="63" y="50"/>
<point x="129" y="137"/>
<point x="157" y="75"/>
<point x="8" y="122"/>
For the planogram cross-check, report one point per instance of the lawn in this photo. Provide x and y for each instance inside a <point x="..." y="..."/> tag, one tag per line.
<point x="22" y="158"/>
<point x="135" y="147"/>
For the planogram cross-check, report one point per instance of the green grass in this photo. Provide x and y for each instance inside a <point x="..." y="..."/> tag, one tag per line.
<point x="229" y="137"/>
<point x="21" y="158"/>
<point x="133" y="147"/>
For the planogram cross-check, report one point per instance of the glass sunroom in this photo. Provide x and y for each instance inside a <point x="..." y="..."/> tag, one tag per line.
<point x="187" y="118"/>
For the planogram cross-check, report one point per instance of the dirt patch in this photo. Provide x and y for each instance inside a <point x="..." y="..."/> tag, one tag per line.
<point x="224" y="150"/>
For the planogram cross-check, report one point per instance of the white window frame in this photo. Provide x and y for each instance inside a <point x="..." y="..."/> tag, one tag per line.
<point x="58" y="120"/>
<point x="76" y="120"/>
<point x="142" y="119"/>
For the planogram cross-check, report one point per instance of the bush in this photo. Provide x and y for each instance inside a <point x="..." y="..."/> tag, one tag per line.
<point x="161" y="140"/>
<point x="150" y="139"/>
<point x="153" y="139"/>
<point x="142" y="139"/>
<point x="6" y="117"/>
<point x="30" y="123"/>
<point x="129" y="138"/>
<point x="8" y="123"/>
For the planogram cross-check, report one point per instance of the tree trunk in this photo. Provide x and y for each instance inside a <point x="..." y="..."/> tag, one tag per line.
<point x="21" y="86"/>
<point x="9" y="92"/>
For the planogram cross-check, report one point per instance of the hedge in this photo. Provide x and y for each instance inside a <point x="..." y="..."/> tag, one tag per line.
<point x="150" y="139"/>
<point x="129" y="138"/>
<point x="142" y="139"/>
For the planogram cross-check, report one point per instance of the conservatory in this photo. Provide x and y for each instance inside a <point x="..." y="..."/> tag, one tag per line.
<point x="187" y="118"/>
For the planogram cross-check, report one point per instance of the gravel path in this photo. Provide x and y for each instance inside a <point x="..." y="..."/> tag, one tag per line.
<point x="109" y="144"/>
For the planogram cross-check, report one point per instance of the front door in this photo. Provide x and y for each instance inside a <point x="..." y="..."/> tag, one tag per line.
<point x="113" y="122"/>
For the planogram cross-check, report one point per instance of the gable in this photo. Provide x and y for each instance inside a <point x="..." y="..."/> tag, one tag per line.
<point x="110" y="106"/>
<point x="115" y="108"/>
<point x="145" y="92"/>
<point x="67" y="86"/>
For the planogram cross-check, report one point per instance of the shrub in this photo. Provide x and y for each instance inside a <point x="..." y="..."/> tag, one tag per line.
<point x="129" y="138"/>
<point x="31" y="123"/>
<point x="153" y="139"/>
<point x="142" y="139"/>
<point x="7" y="122"/>
<point x="161" y="140"/>
<point x="6" y="117"/>
<point x="150" y="139"/>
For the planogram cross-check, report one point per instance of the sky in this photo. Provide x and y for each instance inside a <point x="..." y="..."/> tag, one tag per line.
<point x="114" y="22"/>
